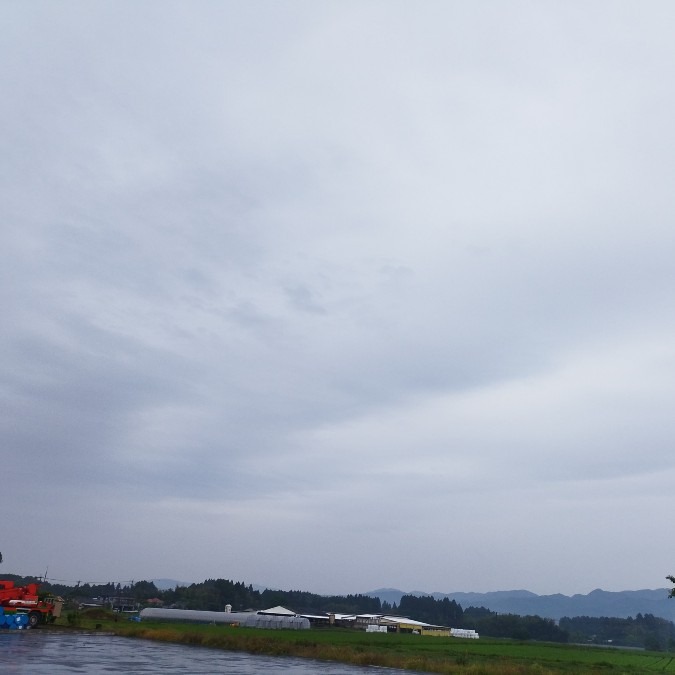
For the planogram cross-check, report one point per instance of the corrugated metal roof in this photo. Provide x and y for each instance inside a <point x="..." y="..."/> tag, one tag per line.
<point x="410" y="622"/>
<point x="403" y="619"/>
<point x="277" y="611"/>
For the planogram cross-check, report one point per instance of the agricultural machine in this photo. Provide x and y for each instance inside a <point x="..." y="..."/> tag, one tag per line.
<point x="20" y="606"/>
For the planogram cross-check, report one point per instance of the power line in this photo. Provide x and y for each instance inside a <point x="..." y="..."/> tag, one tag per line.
<point x="79" y="582"/>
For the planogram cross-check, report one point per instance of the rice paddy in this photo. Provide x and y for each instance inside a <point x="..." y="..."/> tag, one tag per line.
<point x="405" y="651"/>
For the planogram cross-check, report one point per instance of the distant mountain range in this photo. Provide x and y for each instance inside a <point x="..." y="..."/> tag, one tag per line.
<point x="620" y="604"/>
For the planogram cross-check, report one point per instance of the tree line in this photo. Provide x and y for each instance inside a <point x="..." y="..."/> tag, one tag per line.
<point x="648" y="631"/>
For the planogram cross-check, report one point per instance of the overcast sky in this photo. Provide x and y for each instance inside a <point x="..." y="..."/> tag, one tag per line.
<point x="341" y="295"/>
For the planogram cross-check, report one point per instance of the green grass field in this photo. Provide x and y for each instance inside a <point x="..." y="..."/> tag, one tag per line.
<point x="410" y="652"/>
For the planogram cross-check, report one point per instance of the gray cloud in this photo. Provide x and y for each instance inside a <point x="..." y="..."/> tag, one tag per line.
<point x="338" y="279"/>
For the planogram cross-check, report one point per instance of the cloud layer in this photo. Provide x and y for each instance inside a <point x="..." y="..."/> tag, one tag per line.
<point x="336" y="296"/>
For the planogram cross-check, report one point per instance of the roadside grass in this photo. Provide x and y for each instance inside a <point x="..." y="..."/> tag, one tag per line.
<point x="408" y="652"/>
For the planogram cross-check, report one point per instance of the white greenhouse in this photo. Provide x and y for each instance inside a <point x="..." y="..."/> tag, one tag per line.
<point x="245" y="619"/>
